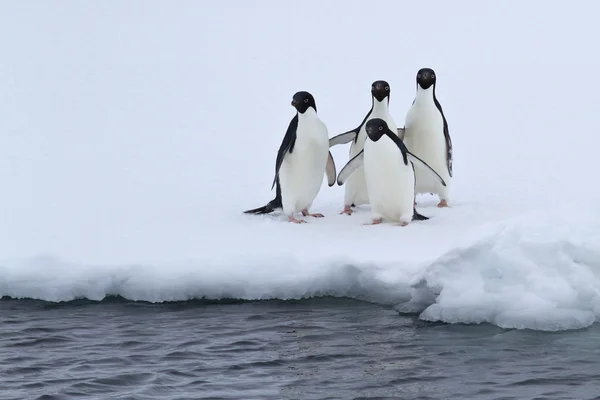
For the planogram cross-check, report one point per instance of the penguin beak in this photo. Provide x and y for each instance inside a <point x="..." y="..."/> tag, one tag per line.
<point x="294" y="103"/>
<point x="425" y="83"/>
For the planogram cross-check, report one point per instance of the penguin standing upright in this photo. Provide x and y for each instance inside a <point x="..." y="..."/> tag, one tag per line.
<point x="356" y="193"/>
<point x="389" y="174"/>
<point x="426" y="135"/>
<point x="302" y="159"/>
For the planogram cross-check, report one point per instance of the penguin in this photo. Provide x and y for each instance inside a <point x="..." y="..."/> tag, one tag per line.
<point x="389" y="174"/>
<point x="356" y="190"/>
<point x="302" y="159"/>
<point x="426" y="135"/>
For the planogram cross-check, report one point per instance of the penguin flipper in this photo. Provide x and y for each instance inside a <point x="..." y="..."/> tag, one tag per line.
<point x="407" y="155"/>
<point x="349" y="136"/>
<point x="287" y="145"/>
<point x="425" y="167"/>
<point x="355" y="163"/>
<point x="330" y="170"/>
<point x="446" y="136"/>
<point x="418" y="217"/>
<point x="343" y="138"/>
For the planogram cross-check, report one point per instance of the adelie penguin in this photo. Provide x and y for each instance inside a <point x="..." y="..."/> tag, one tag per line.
<point x="426" y="135"/>
<point x="302" y="160"/>
<point x="356" y="190"/>
<point x="389" y="174"/>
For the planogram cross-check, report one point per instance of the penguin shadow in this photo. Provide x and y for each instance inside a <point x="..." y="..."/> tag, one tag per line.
<point x="362" y="214"/>
<point x="278" y="217"/>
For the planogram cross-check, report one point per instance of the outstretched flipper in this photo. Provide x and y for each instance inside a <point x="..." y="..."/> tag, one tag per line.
<point x="349" y="136"/>
<point x="343" y="138"/>
<point x="425" y="167"/>
<point x="407" y="155"/>
<point x="287" y="145"/>
<point x="355" y="163"/>
<point x="330" y="170"/>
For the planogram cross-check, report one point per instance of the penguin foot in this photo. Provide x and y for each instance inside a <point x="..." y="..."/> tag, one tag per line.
<point x="296" y="221"/>
<point x="347" y="210"/>
<point x="375" y="221"/>
<point x="442" y="203"/>
<point x="403" y="223"/>
<point x="307" y="214"/>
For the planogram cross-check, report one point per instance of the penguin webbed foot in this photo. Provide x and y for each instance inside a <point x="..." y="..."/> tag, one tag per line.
<point x="347" y="210"/>
<point x="307" y="214"/>
<point x="291" y="218"/>
<point x="375" y="221"/>
<point x="443" y="203"/>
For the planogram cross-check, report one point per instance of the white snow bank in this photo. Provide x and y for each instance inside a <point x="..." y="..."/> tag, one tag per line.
<point x="539" y="271"/>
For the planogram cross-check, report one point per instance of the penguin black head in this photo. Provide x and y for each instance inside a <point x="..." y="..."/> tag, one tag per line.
<point x="302" y="100"/>
<point x="426" y="77"/>
<point x="376" y="128"/>
<point x="380" y="90"/>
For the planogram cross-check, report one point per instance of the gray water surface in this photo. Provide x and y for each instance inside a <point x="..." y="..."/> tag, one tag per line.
<point x="311" y="349"/>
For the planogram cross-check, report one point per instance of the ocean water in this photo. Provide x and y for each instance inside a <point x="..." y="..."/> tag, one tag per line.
<point x="133" y="135"/>
<point x="322" y="348"/>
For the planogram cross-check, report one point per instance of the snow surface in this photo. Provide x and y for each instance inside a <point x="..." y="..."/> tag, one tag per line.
<point x="133" y="135"/>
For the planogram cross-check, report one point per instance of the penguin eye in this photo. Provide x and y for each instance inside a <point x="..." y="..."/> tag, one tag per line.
<point x="306" y="100"/>
<point x="418" y="75"/>
<point x="372" y="87"/>
<point x="381" y="128"/>
<point x="387" y="88"/>
<point x="432" y="76"/>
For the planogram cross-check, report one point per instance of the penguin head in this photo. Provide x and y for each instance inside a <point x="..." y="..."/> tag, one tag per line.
<point x="426" y="78"/>
<point x="302" y="101"/>
<point x="376" y="128"/>
<point x="380" y="90"/>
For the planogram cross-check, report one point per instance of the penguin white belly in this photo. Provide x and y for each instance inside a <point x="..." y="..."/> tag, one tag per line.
<point x="389" y="181"/>
<point x="356" y="188"/>
<point x="301" y="173"/>
<point x="424" y="137"/>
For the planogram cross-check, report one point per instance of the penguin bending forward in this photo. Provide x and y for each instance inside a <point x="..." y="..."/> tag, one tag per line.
<point x="356" y="193"/>
<point x="389" y="174"/>
<point x="302" y="160"/>
<point x="426" y="135"/>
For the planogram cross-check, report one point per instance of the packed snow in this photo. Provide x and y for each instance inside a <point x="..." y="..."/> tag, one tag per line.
<point x="133" y="136"/>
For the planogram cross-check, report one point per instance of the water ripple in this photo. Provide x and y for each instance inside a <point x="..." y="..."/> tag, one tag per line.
<point x="316" y="349"/>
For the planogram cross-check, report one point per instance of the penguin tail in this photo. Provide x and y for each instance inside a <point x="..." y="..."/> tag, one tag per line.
<point x="270" y="206"/>
<point x="266" y="209"/>
<point x="418" y="217"/>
